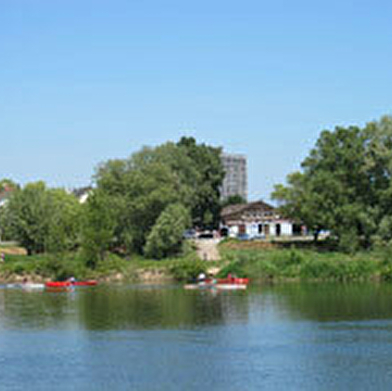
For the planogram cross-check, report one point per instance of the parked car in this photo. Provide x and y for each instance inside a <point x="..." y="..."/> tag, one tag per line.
<point x="257" y="237"/>
<point x="190" y="234"/>
<point x="206" y="235"/>
<point x="243" y="237"/>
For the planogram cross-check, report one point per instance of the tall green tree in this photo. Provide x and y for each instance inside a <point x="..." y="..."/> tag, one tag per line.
<point x="143" y="186"/>
<point x="344" y="185"/>
<point x="64" y="221"/>
<point x="207" y="161"/>
<point x="97" y="227"/>
<point x="41" y="219"/>
<point x="29" y="213"/>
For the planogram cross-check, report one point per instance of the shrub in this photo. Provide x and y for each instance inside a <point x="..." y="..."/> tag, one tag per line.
<point x="166" y="237"/>
<point x="235" y="268"/>
<point x="188" y="269"/>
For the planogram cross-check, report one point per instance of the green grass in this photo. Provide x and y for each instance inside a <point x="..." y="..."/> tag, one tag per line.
<point x="293" y="264"/>
<point x="61" y="267"/>
<point x="255" y="263"/>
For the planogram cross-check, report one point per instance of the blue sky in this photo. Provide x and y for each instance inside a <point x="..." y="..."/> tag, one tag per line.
<point x="82" y="81"/>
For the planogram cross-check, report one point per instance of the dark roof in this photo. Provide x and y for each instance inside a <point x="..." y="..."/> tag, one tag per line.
<point x="234" y="209"/>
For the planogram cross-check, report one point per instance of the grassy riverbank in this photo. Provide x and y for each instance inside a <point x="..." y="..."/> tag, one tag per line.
<point x="114" y="268"/>
<point x="305" y="264"/>
<point x="260" y="263"/>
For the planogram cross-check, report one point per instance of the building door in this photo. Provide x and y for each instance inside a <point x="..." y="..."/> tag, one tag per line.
<point x="242" y="229"/>
<point x="278" y="230"/>
<point x="266" y="230"/>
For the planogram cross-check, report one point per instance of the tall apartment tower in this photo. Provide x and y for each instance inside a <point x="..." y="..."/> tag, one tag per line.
<point x="236" y="179"/>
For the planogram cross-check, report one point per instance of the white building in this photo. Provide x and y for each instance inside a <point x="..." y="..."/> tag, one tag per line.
<point x="257" y="220"/>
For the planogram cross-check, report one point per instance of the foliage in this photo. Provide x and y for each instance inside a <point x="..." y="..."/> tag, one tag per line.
<point x="42" y="219"/>
<point x="345" y="185"/>
<point x="8" y="184"/>
<point x="233" y="200"/>
<point x="143" y="186"/>
<point x="97" y="227"/>
<point x="235" y="268"/>
<point x="60" y="267"/>
<point x="208" y="164"/>
<point x="283" y="264"/>
<point x="166" y="237"/>
<point x="188" y="269"/>
<point x="64" y="221"/>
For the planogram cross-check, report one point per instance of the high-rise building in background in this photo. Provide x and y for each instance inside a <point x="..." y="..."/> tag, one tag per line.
<point x="236" y="179"/>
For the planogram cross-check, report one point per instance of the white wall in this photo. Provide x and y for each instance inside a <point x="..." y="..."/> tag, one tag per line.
<point x="233" y="231"/>
<point x="252" y="229"/>
<point x="286" y="229"/>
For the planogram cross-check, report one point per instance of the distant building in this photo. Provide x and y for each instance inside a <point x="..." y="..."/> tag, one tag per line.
<point x="236" y="178"/>
<point x="82" y="193"/>
<point x="257" y="220"/>
<point x="5" y="195"/>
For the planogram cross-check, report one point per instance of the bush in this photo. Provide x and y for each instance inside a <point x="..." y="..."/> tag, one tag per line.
<point x="188" y="269"/>
<point x="234" y="268"/>
<point x="166" y="237"/>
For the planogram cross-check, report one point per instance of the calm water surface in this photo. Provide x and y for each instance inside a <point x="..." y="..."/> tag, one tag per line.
<point x="287" y="337"/>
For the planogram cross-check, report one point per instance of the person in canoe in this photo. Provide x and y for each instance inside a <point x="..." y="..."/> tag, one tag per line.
<point x="201" y="278"/>
<point x="72" y="280"/>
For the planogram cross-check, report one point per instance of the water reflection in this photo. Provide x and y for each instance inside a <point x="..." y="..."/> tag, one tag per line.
<point x="156" y="307"/>
<point x="149" y="307"/>
<point x="22" y="309"/>
<point x="334" y="302"/>
<point x="306" y="337"/>
<point x="121" y="307"/>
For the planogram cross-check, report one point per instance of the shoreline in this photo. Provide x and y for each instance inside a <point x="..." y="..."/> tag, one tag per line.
<point x="261" y="266"/>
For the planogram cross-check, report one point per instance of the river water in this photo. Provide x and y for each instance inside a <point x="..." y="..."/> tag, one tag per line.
<point x="129" y="337"/>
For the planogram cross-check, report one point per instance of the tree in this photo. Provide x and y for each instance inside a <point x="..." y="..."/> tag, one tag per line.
<point x="166" y="237"/>
<point x="233" y="200"/>
<point x="208" y="163"/>
<point x="97" y="227"/>
<point x="345" y="185"/>
<point x="43" y="220"/>
<point x="64" y="221"/>
<point x="29" y="214"/>
<point x="142" y="187"/>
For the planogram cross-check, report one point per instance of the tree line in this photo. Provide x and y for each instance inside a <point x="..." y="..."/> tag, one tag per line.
<point x="139" y="205"/>
<point x="143" y="204"/>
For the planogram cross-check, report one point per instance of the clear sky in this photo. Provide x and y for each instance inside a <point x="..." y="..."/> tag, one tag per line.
<point x="82" y="81"/>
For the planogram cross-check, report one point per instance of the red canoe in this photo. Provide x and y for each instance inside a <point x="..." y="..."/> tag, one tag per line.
<point x="65" y="284"/>
<point x="231" y="281"/>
